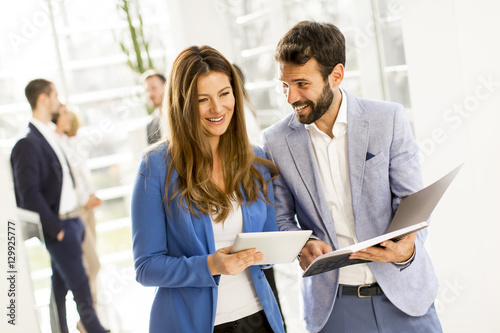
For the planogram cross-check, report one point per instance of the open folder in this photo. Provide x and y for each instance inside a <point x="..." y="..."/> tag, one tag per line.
<point x="411" y="216"/>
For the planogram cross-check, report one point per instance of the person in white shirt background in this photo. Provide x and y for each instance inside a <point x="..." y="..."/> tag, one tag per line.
<point x="67" y="125"/>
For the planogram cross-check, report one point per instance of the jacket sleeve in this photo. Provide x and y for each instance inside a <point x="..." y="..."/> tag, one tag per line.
<point x="404" y="169"/>
<point x="26" y="160"/>
<point x="154" y="263"/>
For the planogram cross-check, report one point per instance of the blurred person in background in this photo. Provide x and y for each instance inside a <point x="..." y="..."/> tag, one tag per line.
<point x="155" y="83"/>
<point x="44" y="183"/>
<point x="193" y="194"/>
<point x="67" y="125"/>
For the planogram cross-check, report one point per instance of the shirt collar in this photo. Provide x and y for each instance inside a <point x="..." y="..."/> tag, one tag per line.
<point x="48" y="130"/>
<point x="342" y="115"/>
<point x="43" y="127"/>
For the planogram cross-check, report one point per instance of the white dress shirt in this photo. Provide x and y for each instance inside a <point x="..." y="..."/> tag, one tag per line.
<point x="332" y="162"/>
<point x="69" y="201"/>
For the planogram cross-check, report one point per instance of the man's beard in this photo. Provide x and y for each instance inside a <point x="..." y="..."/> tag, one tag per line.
<point x="318" y="109"/>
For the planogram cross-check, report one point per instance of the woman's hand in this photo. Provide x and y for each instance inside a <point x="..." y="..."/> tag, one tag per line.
<point x="93" y="202"/>
<point x="227" y="263"/>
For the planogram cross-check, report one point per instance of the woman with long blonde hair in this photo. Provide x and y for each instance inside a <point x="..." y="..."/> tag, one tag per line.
<point x="193" y="194"/>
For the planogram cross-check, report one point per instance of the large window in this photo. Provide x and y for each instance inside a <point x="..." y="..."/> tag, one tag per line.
<point x="76" y="45"/>
<point x="375" y="59"/>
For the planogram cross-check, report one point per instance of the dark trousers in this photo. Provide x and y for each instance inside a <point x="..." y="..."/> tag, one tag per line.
<point x="255" y="323"/>
<point x="68" y="273"/>
<point x="352" y="314"/>
<point x="269" y="273"/>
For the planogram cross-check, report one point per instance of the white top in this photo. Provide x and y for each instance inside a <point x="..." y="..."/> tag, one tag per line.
<point x="331" y="158"/>
<point x="76" y="160"/>
<point x="237" y="297"/>
<point x="69" y="201"/>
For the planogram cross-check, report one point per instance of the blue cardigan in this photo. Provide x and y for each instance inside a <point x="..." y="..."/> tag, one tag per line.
<point x="170" y="252"/>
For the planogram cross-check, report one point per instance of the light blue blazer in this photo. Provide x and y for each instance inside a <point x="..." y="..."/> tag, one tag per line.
<point x="170" y="252"/>
<point x="383" y="168"/>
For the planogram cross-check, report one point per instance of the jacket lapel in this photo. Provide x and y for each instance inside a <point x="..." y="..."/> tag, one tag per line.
<point x="45" y="144"/>
<point x="299" y="144"/>
<point x="205" y="221"/>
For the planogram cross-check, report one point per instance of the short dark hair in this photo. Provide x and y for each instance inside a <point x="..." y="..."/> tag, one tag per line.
<point x="152" y="73"/>
<point x="308" y="39"/>
<point x="35" y="88"/>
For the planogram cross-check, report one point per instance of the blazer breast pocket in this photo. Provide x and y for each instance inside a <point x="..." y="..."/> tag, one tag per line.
<point x="374" y="160"/>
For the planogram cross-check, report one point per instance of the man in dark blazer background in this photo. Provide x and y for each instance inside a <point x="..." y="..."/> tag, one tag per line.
<point x="155" y="83"/>
<point x="43" y="183"/>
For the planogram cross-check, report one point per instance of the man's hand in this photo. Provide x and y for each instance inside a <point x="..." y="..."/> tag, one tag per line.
<point x="390" y="251"/>
<point x="313" y="249"/>
<point x="60" y="235"/>
<point x="227" y="263"/>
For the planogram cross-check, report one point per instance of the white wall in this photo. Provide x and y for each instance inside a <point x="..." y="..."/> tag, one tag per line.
<point x="199" y="23"/>
<point x="453" y="53"/>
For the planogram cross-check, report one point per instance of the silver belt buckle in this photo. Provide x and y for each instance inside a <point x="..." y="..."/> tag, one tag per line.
<point x="359" y="290"/>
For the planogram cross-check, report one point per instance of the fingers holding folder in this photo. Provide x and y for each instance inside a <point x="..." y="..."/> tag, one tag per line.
<point x="389" y="251"/>
<point x="314" y="248"/>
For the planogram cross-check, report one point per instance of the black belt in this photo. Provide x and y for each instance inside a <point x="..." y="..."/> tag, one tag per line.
<point x="364" y="290"/>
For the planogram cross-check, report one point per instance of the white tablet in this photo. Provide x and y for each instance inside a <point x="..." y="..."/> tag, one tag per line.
<point x="278" y="247"/>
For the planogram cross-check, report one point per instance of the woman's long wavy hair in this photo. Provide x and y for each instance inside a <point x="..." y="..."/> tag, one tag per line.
<point x="189" y="152"/>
